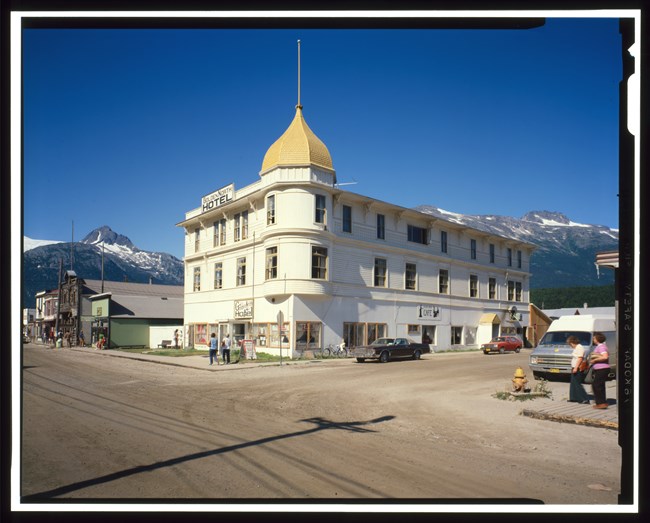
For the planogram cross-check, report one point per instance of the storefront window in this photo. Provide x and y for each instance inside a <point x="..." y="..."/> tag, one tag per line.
<point x="200" y="334"/>
<point x="308" y="335"/>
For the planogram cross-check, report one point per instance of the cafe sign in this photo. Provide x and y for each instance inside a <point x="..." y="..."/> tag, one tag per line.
<point x="243" y="309"/>
<point x="218" y="198"/>
<point x="428" y="312"/>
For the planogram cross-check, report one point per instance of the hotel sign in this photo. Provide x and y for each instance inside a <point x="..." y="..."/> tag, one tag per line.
<point x="428" y="312"/>
<point x="218" y="198"/>
<point x="243" y="309"/>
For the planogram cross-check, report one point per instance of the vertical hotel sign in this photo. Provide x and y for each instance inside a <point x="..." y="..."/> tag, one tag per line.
<point x="218" y="198"/>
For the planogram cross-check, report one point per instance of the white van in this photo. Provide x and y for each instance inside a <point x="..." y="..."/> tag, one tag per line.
<point x="553" y="354"/>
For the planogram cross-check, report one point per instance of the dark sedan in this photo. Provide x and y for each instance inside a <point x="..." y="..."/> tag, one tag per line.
<point x="384" y="349"/>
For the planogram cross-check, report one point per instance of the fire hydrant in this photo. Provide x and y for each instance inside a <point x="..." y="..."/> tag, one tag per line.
<point x="519" y="380"/>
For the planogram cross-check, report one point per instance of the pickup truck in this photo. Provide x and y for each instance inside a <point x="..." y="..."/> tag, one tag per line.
<point x="385" y="349"/>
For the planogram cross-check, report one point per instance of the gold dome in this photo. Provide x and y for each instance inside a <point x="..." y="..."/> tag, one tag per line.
<point x="297" y="146"/>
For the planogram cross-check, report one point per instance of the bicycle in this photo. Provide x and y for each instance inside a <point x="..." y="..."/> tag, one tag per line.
<point x="335" y="350"/>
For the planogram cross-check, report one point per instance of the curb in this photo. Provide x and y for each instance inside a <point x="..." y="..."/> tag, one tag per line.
<point x="591" y="422"/>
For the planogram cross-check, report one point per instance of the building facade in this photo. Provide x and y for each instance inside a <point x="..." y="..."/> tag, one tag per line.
<point x="294" y="262"/>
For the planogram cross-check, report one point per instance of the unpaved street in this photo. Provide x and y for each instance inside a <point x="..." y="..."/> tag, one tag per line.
<point x="100" y="427"/>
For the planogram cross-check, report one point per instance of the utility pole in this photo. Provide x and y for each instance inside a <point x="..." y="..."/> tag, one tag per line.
<point x="58" y="305"/>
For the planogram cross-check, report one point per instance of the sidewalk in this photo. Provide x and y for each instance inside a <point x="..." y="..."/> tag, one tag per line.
<point x="198" y="361"/>
<point x="565" y="412"/>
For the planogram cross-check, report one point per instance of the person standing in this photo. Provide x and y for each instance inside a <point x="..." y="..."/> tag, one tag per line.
<point x="226" y="349"/>
<point x="82" y="341"/>
<point x="577" y="392"/>
<point x="213" y="349"/>
<point x="599" y="358"/>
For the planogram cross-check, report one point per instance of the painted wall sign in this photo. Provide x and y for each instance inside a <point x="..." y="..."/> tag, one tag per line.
<point x="428" y="312"/>
<point x="244" y="309"/>
<point x="218" y="198"/>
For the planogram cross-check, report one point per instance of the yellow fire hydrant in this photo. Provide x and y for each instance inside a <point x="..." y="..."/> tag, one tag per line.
<point x="519" y="380"/>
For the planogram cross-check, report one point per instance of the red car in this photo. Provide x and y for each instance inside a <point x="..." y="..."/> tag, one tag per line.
<point x="502" y="344"/>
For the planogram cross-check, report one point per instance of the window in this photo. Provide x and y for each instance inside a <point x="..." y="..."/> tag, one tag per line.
<point x="413" y="330"/>
<point x="470" y="336"/>
<point x="320" y="209"/>
<point x="222" y="231"/>
<point x="381" y="227"/>
<point x="492" y="288"/>
<point x="215" y="235"/>
<point x="354" y="334"/>
<point x="443" y="281"/>
<point x="241" y="226"/>
<point x="410" y="276"/>
<point x="509" y="257"/>
<point x="218" y="275"/>
<point x="443" y="241"/>
<point x="491" y="253"/>
<point x="418" y="234"/>
<point x="319" y="263"/>
<point x="429" y="334"/>
<point x="197" y="279"/>
<point x="519" y="259"/>
<point x="473" y="286"/>
<point x="268" y="335"/>
<point x="380" y="272"/>
<point x="200" y="334"/>
<point x="511" y="290"/>
<point x="518" y="291"/>
<point x="237" y="229"/>
<point x="270" y="210"/>
<point x="241" y="271"/>
<point x="308" y="335"/>
<point x="376" y="330"/>
<point x="472" y="249"/>
<point x="456" y="335"/>
<point x="347" y="218"/>
<point x="197" y="240"/>
<point x="271" y="263"/>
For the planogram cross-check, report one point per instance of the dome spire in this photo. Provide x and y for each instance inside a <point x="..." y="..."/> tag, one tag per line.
<point x="298" y="146"/>
<point x="298" y="106"/>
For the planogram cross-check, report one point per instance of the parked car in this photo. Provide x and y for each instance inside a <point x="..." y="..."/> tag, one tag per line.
<point x="502" y="344"/>
<point x="385" y="349"/>
<point x="26" y="339"/>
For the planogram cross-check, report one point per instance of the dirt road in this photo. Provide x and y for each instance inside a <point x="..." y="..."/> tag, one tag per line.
<point x="98" y="428"/>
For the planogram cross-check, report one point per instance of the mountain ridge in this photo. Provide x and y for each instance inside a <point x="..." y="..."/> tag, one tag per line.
<point x="565" y="252"/>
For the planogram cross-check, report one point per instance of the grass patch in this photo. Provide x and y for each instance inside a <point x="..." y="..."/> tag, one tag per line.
<point x="541" y="390"/>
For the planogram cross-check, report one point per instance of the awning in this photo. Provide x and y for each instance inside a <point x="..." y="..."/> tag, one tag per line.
<point x="490" y="318"/>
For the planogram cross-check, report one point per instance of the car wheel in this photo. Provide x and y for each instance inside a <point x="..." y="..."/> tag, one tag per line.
<point x="517" y="350"/>
<point x="501" y="351"/>
<point x="416" y="355"/>
<point x="361" y="360"/>
<point x="383" y="357"/>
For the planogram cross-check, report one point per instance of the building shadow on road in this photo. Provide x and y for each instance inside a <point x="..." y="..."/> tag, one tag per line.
<point x="318" y="425"/>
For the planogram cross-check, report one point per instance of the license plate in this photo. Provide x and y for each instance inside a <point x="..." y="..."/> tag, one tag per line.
<point x="555" y="370"/>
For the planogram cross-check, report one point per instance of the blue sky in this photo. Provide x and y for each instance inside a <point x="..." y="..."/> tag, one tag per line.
<point x="129" y="128"/>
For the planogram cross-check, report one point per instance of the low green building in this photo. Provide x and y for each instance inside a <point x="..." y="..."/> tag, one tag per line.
<point x="124" y="316"/>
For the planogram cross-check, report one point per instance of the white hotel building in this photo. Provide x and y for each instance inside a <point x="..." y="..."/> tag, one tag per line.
<point x="293" y="249"/>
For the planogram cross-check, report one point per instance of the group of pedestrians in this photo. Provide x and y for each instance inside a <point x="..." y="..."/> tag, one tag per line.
<point x="224" y="349"/>
<point x="581" y="361"/>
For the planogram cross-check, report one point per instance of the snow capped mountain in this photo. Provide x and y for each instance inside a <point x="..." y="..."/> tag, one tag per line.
<point x="29" y="243"/>
<point x="566" y="250"/>
<point x="122" y="261"/>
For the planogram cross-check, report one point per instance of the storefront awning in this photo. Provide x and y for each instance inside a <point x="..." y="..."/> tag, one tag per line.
<point x="490" y="318"/>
